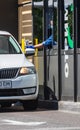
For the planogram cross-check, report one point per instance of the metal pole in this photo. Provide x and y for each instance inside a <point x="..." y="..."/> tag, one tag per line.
<point x="45" y="14"/>
<point x="60" y="43"/>
<point x="76" y="41"/>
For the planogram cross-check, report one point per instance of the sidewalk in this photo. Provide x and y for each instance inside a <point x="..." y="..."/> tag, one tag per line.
<point x="69" y="106"/>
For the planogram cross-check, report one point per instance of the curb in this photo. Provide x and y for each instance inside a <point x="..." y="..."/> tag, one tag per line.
<point x="59" y="105"/>
<point x="69" y="106"/>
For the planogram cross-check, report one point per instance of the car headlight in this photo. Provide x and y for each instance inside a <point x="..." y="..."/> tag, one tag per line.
<point x="27" y="71"/>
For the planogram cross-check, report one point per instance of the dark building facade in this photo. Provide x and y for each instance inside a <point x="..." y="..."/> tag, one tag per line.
<point x="9" y="16"/>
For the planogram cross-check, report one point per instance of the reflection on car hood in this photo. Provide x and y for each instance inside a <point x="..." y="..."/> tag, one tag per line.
<point x="11" y="61"/>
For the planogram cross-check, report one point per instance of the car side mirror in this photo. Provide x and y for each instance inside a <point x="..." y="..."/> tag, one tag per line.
<point x="29" y="51"/>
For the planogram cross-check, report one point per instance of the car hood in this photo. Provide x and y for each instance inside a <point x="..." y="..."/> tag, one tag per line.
<point x="14" y="60"/>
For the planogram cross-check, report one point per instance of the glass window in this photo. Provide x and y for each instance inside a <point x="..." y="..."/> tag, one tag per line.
<point x="8" y="45"/>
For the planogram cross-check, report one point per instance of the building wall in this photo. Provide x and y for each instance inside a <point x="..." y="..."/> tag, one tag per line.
<point x="25" y="20"/>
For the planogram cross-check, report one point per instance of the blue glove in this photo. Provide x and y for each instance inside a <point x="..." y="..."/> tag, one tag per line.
<point x="30" y="46"/>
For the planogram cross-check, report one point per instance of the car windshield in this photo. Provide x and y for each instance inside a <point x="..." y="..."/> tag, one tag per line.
<point x="8" y="45"/>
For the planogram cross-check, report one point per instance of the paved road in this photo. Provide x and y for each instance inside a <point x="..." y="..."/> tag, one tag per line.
<point x="16" y="118"/>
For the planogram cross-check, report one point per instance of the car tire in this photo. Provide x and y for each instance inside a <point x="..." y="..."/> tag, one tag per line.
<point x="30" y="105"/>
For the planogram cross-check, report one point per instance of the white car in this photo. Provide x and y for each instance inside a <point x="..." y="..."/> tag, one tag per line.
<point x="18" y="76"/>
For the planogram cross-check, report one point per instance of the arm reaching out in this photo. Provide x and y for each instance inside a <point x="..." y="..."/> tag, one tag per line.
<point x="47" y="42"/>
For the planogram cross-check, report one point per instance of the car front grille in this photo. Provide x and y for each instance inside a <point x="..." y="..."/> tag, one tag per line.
<point x="8" y="73"/>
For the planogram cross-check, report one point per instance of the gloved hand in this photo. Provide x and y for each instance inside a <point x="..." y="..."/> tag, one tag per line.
<point x="30" y="46"/>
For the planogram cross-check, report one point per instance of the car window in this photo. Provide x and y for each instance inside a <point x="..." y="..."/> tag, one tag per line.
<point x="8" y="45"/>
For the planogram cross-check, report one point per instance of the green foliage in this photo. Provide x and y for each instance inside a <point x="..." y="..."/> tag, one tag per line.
<point x="37" y="24"/>
<point x="55" y="24"/>
<point x="70" y="17"/>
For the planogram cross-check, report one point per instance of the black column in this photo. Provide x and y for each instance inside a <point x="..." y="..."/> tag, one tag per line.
<point x="76" y="43"/>
<point x="60" y="43"/>
<point x="45" y="33"/>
